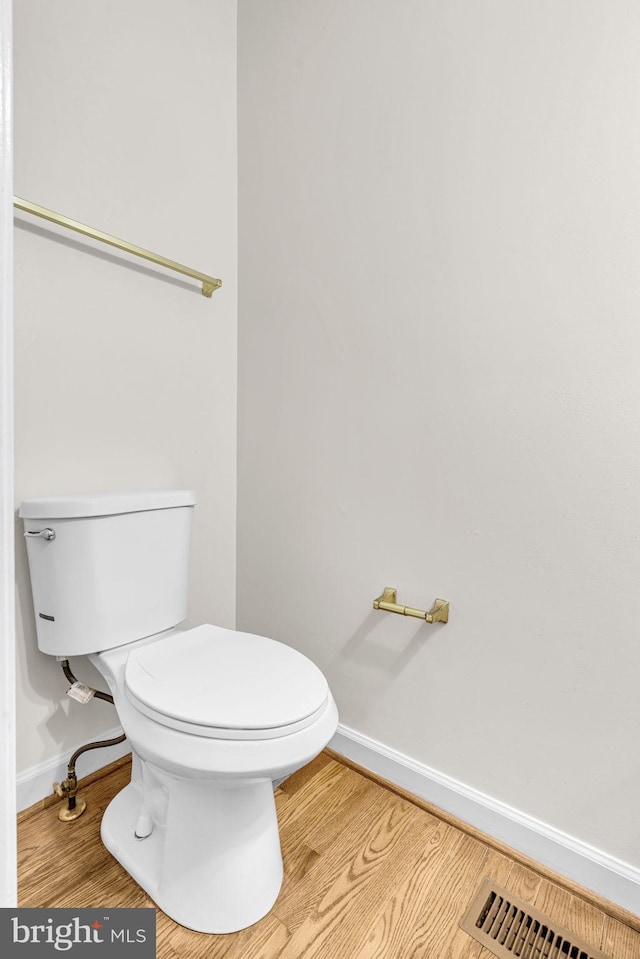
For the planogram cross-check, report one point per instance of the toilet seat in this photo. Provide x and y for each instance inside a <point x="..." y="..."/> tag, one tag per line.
<point x="219" y="683"/>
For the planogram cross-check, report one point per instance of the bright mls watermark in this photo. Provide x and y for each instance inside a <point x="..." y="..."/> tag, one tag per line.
<point x="79" y="933"/>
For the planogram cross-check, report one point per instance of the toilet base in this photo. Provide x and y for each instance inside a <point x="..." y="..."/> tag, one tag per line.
<point x="212" y="860"/>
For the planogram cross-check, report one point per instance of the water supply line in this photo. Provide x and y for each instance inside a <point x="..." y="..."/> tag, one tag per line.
<point x="69" y="787"/>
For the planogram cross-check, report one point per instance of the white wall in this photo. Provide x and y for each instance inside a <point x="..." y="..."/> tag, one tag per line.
<point x="8" y="884"/>
<point x="439" y="384"/>
<point x="126" y="379"/>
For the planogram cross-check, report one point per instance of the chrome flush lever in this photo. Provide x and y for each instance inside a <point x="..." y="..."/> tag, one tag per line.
<point x="47" y="533"/>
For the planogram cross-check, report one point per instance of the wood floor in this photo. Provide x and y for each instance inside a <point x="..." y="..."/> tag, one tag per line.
<point x="369" y="874"/>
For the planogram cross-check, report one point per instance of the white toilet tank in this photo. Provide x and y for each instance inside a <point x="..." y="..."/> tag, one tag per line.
<point x="107" y="569"/>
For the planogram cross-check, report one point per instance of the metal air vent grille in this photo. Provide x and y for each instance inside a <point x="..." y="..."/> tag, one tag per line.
<point x="508" y="926"/>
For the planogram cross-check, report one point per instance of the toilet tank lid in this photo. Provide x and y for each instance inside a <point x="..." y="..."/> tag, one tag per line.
<point x="104" y="504"/>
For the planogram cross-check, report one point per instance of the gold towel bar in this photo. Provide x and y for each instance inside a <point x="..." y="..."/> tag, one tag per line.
<point x="209" y="283"/>
<point x="439" y="612"/>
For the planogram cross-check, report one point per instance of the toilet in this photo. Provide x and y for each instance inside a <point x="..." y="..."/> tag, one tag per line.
<point x="214" y="716"/>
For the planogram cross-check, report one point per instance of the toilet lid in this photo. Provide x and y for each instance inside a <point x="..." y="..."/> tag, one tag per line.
<point x="219" y="682"/>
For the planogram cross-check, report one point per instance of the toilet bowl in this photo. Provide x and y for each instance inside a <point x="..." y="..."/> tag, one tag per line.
<point x="214" y="716"/>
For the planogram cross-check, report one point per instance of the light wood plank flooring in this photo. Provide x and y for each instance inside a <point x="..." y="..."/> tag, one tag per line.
<point x="369" y="874"/>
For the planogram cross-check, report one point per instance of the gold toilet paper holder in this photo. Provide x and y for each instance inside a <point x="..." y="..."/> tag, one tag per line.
<point x="439" y="612"/>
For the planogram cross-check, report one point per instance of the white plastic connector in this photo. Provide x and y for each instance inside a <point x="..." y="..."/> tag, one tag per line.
<point x="81" y="693"/>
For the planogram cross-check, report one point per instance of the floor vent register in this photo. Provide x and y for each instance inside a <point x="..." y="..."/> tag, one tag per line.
<point x="508" y="927"/>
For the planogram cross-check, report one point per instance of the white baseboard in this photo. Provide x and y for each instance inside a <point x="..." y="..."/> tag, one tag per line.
<point x="35" y="783"/>
<point x="610" y="878"/>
